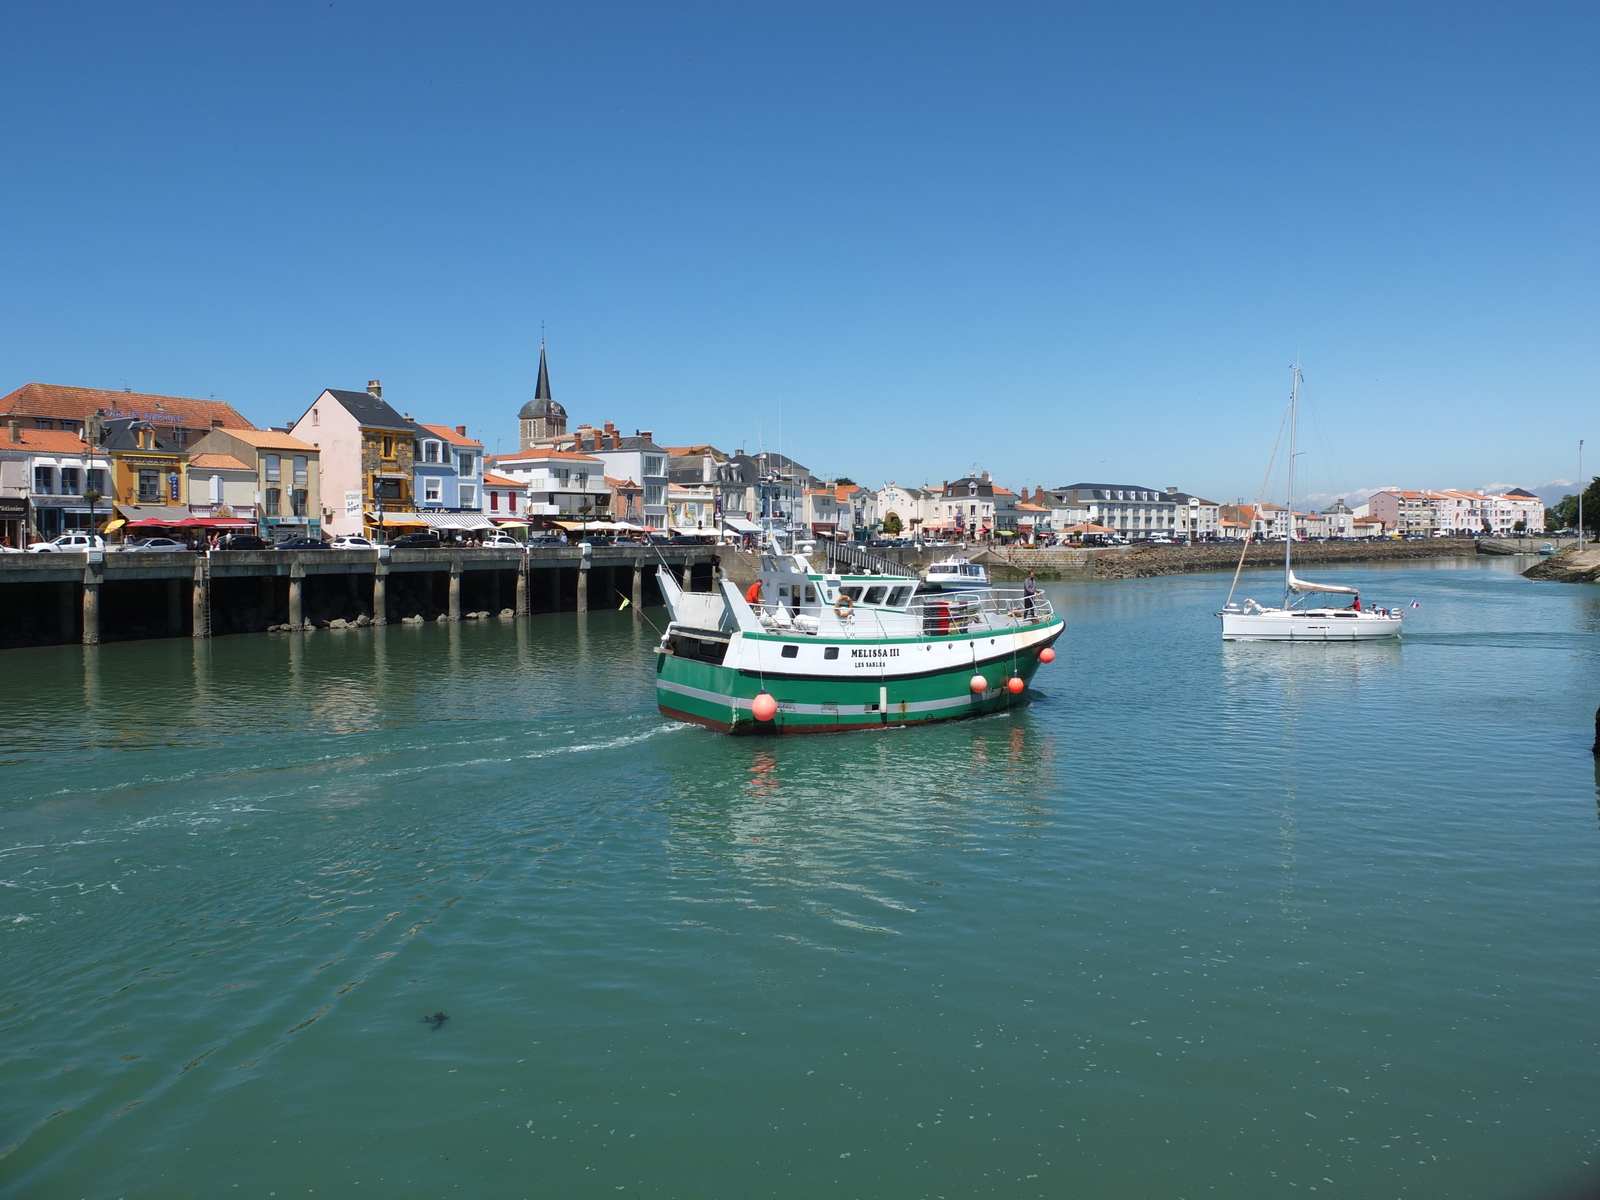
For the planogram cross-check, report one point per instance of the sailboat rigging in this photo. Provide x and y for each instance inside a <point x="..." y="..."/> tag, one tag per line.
<point x="1257" y="622"/>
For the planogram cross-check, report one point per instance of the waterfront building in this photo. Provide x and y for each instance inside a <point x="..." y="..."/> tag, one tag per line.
<point x="1368" y="527"/>
<point x="1458" y="512"/>
<point x="1194" y="516"/>
<point x="181" y="420"/>
<point x="823" y="513"/>
<point x="965" y="508"/>
<point x="1133" y="510"/>
<point x="1340" y="519"/>
<point x="366" y="452"/>
<point x="706" y="466"/>
<point x="627" y="500"/>
<point x="561" y="488"/>
<point x="446" y="475"/>
<point x="911" y="506"/>
<point x="263" y="475"/>
<point x="44" y="474"/>
<point x="858" y="511"/>
<point x="146" y="471"/>
<point x="1033" y="520"/>
<point x="504" y="498"/>
<point x="692" y="508"/>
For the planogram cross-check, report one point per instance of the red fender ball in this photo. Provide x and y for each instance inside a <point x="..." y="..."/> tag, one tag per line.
<point x="1015" y="685"/>
<point x="764" y="707"/>
<point x="1047" y="655"/>
<point x="980" y="684"/>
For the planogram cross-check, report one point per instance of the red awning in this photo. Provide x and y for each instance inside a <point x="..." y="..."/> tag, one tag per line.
<point x="155" y="523"/>
<point x="218" y="523"/>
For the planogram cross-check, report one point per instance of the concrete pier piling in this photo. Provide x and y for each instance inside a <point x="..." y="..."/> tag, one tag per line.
<point x="52" y="599"/>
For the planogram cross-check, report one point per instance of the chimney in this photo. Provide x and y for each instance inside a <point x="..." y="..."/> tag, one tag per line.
<point x="461" y="430"/>
<point x="645" y="434"/>
<point x="986" y="477"/>
<point x="16" y="430"/>
<point x="375" y="389"/>
<point x="611" y="427"/>
<point x="216" y="423"/>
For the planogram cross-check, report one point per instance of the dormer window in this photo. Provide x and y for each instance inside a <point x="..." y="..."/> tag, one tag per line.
<point x="430" y="452"/>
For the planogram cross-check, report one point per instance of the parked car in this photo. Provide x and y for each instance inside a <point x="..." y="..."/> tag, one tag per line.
<point x="501" y="539"/>
<point x="417" y="541"/>
<point x="242" y="541"/>
<point x="146" y="545"/>
<point x="304" y="543"/>
<point x="69" y="543"/>
<point x="353" y="541"/>
<point x="545" y="539"/>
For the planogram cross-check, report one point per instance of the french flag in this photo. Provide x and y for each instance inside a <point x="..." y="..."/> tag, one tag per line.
<point x="1414" y="604"/>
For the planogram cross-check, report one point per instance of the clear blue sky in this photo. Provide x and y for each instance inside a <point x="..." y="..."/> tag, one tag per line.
<point x="1059" y="242"/>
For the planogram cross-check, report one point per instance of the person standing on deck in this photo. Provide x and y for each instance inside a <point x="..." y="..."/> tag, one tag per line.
<point x="1030" y="589"/>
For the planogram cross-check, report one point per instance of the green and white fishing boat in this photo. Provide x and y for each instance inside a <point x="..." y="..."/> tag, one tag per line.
<point x="810" y="652"/>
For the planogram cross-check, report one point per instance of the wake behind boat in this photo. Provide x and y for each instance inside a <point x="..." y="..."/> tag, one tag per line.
<point x="1253" y="621"/>
<point x="810" y="652"/>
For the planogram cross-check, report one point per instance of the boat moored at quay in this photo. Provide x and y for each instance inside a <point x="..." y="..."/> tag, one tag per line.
<point x="804" y="651"/>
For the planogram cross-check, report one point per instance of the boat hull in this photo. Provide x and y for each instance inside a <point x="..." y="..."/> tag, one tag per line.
<point x="719" y="697"/>
<point x="1308" y="627"/>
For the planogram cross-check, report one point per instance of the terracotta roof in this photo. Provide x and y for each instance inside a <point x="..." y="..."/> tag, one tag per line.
<point x="52" y="441"/>
<point x="450" y="435"/>
<point x="218" y="462"/>
<point x="622" y="483"/>
<point x="78" y="404"/>
<point x="541" y="455"/>
<point x="494" y="480"/>
<point x="270" y="439"/>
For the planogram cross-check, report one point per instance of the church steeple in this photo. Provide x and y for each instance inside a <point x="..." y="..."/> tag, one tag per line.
<point x="541" y="420"/>
<point x="542" y="391"/>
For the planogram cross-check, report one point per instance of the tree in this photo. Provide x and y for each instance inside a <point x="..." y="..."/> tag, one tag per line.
<point x="892" y="525"/>
<point x="845" y="481"/>
<point x="1565" y="514"/>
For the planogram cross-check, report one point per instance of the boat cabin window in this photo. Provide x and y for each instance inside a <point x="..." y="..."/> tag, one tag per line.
<point x="940" y="569"/>
<point x="874" y="595"/>
<point x="811" y="594"/>
<point x="831" y="652"/>
<point x="854" y="592"/>
<point x="899" y="596"/>
<point x="969" y="569"/>
<point x="791" y="651"/>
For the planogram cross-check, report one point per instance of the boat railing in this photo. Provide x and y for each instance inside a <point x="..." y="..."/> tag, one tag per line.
<point x="951" y="614"/>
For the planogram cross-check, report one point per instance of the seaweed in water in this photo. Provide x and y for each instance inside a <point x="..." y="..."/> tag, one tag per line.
<point x="437" y="1020"/>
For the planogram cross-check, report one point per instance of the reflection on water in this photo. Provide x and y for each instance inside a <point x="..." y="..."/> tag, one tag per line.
<point x="1203" y="917"/>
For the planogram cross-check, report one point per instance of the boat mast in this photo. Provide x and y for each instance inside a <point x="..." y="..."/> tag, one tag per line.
<point x="1288" y="538"/>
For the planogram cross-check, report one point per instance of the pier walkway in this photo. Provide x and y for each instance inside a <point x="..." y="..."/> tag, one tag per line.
<point x="54" y="598"/>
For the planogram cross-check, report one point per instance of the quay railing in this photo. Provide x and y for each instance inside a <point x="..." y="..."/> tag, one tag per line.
<point x="865" y="560"/>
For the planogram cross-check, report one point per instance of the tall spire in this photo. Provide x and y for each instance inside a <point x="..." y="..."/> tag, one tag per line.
<point x="542" y="391"/>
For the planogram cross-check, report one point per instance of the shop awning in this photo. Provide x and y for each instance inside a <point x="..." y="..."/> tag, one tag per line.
<point x="443" y="520"/>
<point x="396" y="518"/>
<point x="511" y="522"/>
<point x="153" y="514"/>
<point x="740" y="525"/>
<point x="594" y="526"/>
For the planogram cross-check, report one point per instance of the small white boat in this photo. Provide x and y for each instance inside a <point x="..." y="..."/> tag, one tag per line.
<point x="1255" y="622"/>
<point x="956" y="575"/>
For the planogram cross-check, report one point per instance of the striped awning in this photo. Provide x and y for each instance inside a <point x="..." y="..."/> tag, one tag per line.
<point x="443" y="520"/>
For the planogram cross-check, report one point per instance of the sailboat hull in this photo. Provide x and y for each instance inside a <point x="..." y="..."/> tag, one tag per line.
<point x="1310" y="625"/>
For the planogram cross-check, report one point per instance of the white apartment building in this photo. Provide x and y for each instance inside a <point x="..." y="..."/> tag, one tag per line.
<point x="1130" y="509"/>
<point x="559" y="485"/>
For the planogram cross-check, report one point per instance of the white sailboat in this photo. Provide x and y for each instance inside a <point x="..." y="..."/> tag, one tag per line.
<point x="1255" y="622"/>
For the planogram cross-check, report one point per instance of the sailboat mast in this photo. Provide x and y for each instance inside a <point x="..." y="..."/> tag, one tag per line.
<point x="1288" y="537"/>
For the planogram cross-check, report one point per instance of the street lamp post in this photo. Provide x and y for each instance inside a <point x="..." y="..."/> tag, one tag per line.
<point x="94" y="433"/>
<point x="1580" y="493"/>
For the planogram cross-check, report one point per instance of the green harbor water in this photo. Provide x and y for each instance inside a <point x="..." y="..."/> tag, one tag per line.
<point x="1202" y="919"/>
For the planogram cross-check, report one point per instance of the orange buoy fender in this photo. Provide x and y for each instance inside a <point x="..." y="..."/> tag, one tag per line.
<point x="764" y="707"/>
<point x="979" y="684"/>
<point x="753" y="593"/>
<point x="1015" y="685"/>
<point x="1047" y="655"/>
